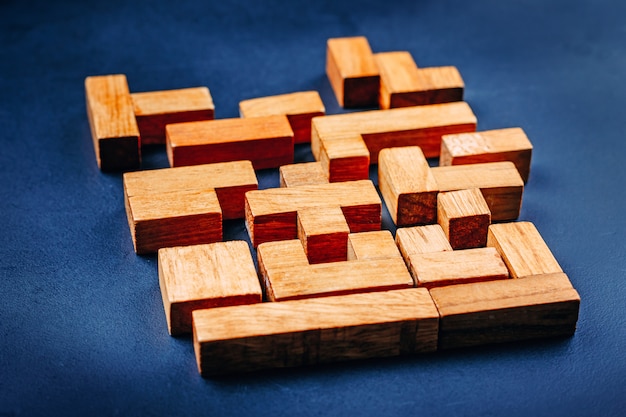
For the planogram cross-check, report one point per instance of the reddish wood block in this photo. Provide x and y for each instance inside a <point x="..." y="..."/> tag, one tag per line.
<point x="323" y="232"/>
<point x="464" y="217"/>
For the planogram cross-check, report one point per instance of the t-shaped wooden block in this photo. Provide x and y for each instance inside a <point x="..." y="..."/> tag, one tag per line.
<point x="464" y="217"/>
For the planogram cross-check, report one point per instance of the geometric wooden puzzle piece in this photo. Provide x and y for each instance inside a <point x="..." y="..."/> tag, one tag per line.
<point x="323" y="232"/>
<point x="281" y="254"/>
<point x="421" y="239"/>
<point x="155" y="109"/>
<point x="299" y="107"/>
<point x="488" y="146"/>
<point x="352" y="72"/>
<point x="266" y="141"/>
<point x="372" y="245"/>
<point x="402" y="84"/>
<point x="407" y="186"/>
<point x="314" y="331"/>
<point x="345" y="159"/>
<point x="205" y="276"/>
<point x="464" y="217"/>
<point x="296" y="175"/>
<point x="112" y="121"/>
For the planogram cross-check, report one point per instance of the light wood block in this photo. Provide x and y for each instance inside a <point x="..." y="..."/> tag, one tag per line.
<point x="464" y="217"/>
<point x="407" y="186"/>
<point x="282" y="254"/>
<point x="271" y="214"/>
<point x="345" y="159"/>
<point x="323" y="232"/>
<point x="506" y="310"/>
<point x="314" y="331"/>
<point x="299" y="107"/>
<point x="523" y="249"/>
<point x="112" y="121"/>
<point x="500" y="183"/>
<point x="266" y="141"/>
<point x="421" y="239"/>
<point x="372" y="245"/>
<point x="403" y="84"/>
<point x="488" y="146"/>
<point x="352" y="72"/>
<point x="296" y="175"/>
<point x="205" y="276"/>
<point x="156" y="109"/>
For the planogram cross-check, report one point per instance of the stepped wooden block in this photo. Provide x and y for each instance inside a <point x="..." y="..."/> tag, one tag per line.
<point x="186" y="205"/>
<point x="299" y="107"/>
<point x="500" y="183"/>
<point x="266" y="141"/>
<point x="323" y="232"/>
<point x="523" y="249"/>
<point x="421" y="239"/>
<point x="271" y="214"/>
<point x="352" y="72"/>
<point x="506" y="310"/>
<point x="407" y="186"/>
<point x="156" y="109"/>
<point x="372" y="245"/>
<point x="205" y="276"/>
<point x="403" y="84"/>
<point x="464" y="217"/>
<point x="314" y="331"/>
<point x="296" y="175"/>
<point x="112" y="121"/>
<point x="488" y="146"/>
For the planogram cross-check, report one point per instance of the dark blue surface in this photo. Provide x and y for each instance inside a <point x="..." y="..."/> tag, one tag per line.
<point x="82" y="328"/>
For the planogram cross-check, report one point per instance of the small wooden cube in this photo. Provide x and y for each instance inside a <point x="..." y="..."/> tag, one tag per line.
<point x="308" y="173"/>
<point x="323" y="232"/>
<point x="464" y="217"/>
<point x="345" y="159"/>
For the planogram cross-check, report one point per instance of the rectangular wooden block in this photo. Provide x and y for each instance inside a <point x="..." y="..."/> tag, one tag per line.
<point x="372" y="245"/>
<point x="299" y="107"/>
<point x="464" y="217"/>
<point x="265" y="141"/>
<point x="407" y="186"/>
<point x="281" y="254"/>
<point x="506" y="310"/>
<point x="421" y="239"/>
<point x="488" y="146"/>
<point x="296" y="175"/>
<point x="345" y="159"/>
<point x="112" y="120"/>
<point x="156" y="109"/>
<point x="323" y="232"/>
<point x="205" y="276"/>
<point x="352" y="72"/>
<point x="314" y="331"/>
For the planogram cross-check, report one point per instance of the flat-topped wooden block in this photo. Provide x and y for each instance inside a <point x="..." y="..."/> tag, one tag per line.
<point x="523" y="249"/>
<point x="345" y="159"/>
<point x="112" y="121"/>
<point x="421" y="239"/>
<point x="314" y="331"/>
<point x="403" y="84"/>
<point x="464" y="217"/>
<point x="407" y="186"/>
<point x="271" y="214"/>
<point x="372" y="245"/>
<point x="296" y="175"/>
<point x="352" y="72"/>
<point x="299" y="107"/>
<point x="323" y="232"/>
<point x="488" y="146"/>
<point x="156" y="109"/>
<point x="205" y="276"/>
<point x="500" y="183"/>
<point x="186" y="205"/>
<point x="506" y="310"/>
<point x="266" y="141"/>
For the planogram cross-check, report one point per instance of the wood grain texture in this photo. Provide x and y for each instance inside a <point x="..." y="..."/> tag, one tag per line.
<point x="296" y="175"/>
<point x="314" y="331"/>
<point x="299" y="107"/>
<point x="488" y="146"/>
<point x="112" y="121"/>
<point x="407" y="186"/>
<point x="156" y="109"/>
<point x="345" y="159"/>
<point x="279" y="255"/>
<point x="265" y="141"/>
<point x="421" y="239"/>
<point x="323" y="232"/>
<point x="523" y="249"/>
<point x="464" y="217"/>
<point x="372" y="245"/>
<point x="205" y="276"/>
<point x="506" y="310"/>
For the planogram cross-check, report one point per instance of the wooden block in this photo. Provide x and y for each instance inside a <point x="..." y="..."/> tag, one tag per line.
<point x="489" y="146"/>
<point x="299" y="107"/>
<point x="421" y="239"/>
<point x="314" y="331"/>
<point x="164" y="205"/>
<point x="323" y="232"/>
<point x="205" y="276"/>
<point x="372" y="245"/>
<point x="112" y="120"/>
<point x="407" y="186"/>
<point x="464" y="217"/>
<point x="266" y="141"/>
<point x="500" y="183"/>
<point x="523" y="249"/>
<point x="352" y="72"/>
<point x="438" y="269"/>
<point x="345" y="159"/>
<point x="271" y="213"/>
<point x="279" y="255"/>
<point x="402" y="84"/>
<point x="506" y="310"/>
<point x="155" y="109"/>
<point x="296" y="175"/>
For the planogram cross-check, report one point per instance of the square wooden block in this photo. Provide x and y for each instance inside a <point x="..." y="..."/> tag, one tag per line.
<point x="464" y="217"/>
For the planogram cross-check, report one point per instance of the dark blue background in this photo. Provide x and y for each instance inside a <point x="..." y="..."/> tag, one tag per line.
<point x="82" y="328"/>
